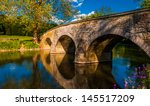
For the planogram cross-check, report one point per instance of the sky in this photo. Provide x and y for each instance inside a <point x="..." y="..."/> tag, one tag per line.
<point x="87" y="7"/>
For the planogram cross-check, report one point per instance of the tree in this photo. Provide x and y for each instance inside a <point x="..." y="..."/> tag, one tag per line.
<point x="144" y="3"/>
<point x="34" y="13"/>
<point x="96" y="14"/>
<point x="2" y="27"/>
<point x="9" y="13"/>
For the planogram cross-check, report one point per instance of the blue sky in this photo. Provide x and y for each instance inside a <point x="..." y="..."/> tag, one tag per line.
<point x="87" y="6"/>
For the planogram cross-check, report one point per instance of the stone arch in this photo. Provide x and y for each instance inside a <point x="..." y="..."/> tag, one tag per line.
<point x="49" y="42"/>
<point x="65" y="44"/>
<point x="101" y="47"/>
<point x="46" y="43"/>
<point x="143" y="44"/>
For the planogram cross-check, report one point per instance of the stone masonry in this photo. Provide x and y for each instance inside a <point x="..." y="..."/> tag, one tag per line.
<point x="87" y="35"/>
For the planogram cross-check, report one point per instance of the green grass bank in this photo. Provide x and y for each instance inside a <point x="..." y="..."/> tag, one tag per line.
<point x="12" y="43"/>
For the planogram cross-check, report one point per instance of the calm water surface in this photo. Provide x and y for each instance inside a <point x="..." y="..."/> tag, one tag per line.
<point x="129" y="68"/>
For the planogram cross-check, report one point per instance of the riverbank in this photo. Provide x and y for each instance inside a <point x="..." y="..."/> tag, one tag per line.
<point x="17" y="43"/>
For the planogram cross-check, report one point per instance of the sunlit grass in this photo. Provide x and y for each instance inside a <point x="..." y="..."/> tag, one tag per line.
<point x="15" y="37"/>
<point x="13" y="42"/>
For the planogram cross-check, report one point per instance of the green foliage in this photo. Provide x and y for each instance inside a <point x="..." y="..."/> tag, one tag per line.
<point x="67" y="9"/>
<point x="8" y="12"/>
<point x="96" y="14"/>
<point x="46" y="27"/>
<point x="29" y="17"/>
<point x="145" y="4"/>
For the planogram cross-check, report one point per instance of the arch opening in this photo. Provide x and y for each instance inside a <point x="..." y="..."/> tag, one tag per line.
<point x="101" y="49"/>
<point x="65" y="49"/>
<point x="65" y="45"/>
<point x="48" y="41"/>
<point x="47" y="44"/>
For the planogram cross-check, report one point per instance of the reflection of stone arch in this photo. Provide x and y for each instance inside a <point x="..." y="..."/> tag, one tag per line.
<point x="66" y="67"/>
<point x="84" y="73"/>
<point x="65" y="44"/>
<point x="48" y="60"/>
<point x="53" y="70"/>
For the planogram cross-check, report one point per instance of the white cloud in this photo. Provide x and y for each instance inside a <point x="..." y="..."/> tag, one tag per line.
<point x="80" y="4"/>
<point x="77" y="3"/>
<point x="82" y="16"/>
<point x="91" y="13"/>
<point x="56" y="20"/>
<point x="74" y="1"/>
<point x="79" y="12"/>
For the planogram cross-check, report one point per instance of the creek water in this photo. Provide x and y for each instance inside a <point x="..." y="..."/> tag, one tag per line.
<point x="129" y="69"/>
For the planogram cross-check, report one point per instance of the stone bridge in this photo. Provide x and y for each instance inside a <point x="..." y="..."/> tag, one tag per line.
<point x="93" y="40"/>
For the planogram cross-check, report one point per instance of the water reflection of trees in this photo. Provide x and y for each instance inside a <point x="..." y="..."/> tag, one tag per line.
<point x="16" y="56"/>
<point x="24" y="83"/>
<point x="37" y="79"/>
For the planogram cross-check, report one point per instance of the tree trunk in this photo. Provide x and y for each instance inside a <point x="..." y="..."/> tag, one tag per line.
<point x="4" y="30"/>
<point x="35" y="32"/>
<point x="10" y="30"/>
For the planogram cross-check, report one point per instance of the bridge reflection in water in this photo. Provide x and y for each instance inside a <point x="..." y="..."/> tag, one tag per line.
<point x="70" y="75"/>
<point x="129" y="68"/>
